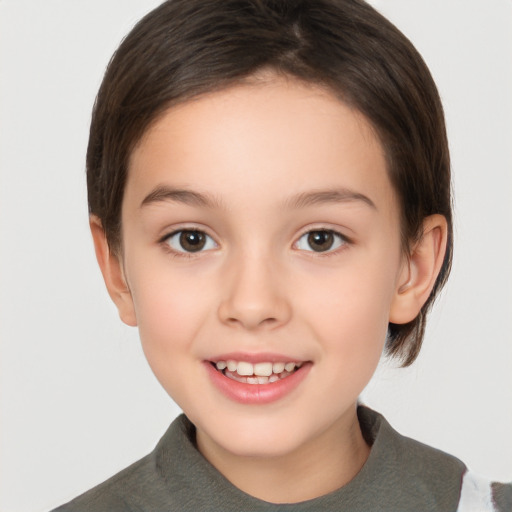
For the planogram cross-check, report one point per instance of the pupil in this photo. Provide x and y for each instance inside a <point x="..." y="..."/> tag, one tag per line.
<point x="192" y="241"/>
<point x="320" y="240"/>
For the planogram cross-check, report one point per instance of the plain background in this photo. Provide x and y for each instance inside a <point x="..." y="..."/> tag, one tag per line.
<point x="78" y="401"/>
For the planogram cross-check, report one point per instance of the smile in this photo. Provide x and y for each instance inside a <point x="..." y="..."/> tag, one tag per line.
<point x="260" y="381"/>
<point x="258" y="373"/>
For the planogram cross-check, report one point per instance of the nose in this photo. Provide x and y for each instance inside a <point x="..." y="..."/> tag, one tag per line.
<point x="254" y="295"/>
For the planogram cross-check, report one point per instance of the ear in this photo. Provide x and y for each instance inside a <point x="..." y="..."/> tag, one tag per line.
<point x="113" y="275"/>
<point x="420" y="271"/>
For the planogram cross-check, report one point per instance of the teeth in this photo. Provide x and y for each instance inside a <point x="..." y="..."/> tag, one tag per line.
<point x="278" y="367"/>
<point x="245" y="369"/>
<point x="268" y="371"/>
<point x="263" y="369"/>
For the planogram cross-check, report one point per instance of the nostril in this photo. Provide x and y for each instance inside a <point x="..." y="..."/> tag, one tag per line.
<point x="252" y="322"/>
<point x="254" y="313"/>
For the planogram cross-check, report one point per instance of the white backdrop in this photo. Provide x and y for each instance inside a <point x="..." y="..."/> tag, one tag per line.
<point x="78" y="401"/>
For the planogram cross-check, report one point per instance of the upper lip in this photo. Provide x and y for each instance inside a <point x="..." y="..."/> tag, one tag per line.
<point x="260" y="357"/>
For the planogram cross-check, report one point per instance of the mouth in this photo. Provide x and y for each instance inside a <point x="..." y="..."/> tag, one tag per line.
<point x="257" y="379"/>
<point x="256" y="373"/>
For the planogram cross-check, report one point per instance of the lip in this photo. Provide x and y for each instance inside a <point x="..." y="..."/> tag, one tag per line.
<point x="256" y="394"/>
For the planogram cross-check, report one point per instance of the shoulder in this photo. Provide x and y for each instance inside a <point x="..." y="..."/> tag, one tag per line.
<point x="406" y="457"/>
<point x="412" y="475"/>
<point x="119" y="493"/>
<point x="140" y="486"/>
<point x="427" y="477"/>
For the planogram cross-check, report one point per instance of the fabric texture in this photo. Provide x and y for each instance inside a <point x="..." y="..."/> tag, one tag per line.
<point x="400" y="475"/>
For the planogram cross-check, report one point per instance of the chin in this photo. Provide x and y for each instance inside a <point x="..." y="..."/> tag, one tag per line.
<point x="261" y="436"/>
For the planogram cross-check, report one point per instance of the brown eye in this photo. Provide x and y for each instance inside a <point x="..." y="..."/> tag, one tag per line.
<point x="320" y="241"/>
<point x="190" y="240"/>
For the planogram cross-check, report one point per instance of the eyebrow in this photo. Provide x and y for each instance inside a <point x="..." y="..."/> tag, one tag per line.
<point x="165" y="193"/>
<point x="339" y="195"/>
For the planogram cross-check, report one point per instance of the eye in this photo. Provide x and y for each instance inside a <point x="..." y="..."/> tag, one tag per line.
<point x="321" y="240"/>
<point x="190" y="240"/>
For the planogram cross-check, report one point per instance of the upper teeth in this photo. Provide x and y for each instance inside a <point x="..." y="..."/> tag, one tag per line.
<point x="259" y="369"/>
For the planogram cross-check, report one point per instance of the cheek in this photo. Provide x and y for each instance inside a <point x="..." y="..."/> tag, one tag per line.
<point x="170" y="314"/>
<point x="349" y="312"/>
<point x="352" y="332"/>
<point x="351" y="297"/>
<point x="170" y="311"/>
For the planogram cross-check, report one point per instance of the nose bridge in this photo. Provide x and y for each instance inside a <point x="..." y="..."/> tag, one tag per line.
<point x="254" y="291"/>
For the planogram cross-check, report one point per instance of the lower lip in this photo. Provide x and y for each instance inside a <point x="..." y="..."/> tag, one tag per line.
<point x="257" y="393"/>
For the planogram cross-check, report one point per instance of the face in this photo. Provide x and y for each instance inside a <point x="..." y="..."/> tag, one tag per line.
<point x="260" y="231"/>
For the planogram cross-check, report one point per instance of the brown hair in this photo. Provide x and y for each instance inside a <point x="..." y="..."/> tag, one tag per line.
<point x="185" y="48"/>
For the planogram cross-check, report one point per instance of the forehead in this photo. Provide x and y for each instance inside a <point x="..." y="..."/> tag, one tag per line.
<point x="261" y="140"/>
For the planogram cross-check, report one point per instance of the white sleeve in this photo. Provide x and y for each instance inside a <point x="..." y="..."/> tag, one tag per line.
<point x="476" y="494"/>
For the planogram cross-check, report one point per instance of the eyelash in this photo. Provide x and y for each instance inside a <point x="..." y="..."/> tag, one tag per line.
<point x="184" y="254"/>
<point x="342" y="240"/>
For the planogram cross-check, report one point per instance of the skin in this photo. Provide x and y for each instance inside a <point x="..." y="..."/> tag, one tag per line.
<point x="258" y="286"/>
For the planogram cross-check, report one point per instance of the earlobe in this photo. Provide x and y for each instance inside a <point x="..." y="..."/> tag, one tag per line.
<point x="112" y="271"/>
<point x="420" y="271"/>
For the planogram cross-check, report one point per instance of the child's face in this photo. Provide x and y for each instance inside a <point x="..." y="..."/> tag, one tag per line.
<point x="291" y="253"/>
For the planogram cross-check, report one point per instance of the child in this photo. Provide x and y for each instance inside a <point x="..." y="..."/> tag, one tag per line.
<point x="269" y="190"/>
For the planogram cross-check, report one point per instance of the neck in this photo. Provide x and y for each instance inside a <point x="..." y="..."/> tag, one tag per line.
<point x="318" y="467"/>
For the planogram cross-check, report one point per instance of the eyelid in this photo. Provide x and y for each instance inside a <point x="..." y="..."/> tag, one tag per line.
<point x="173" y="232"/>
<point x="312" y="229"/>
<point x="194" y="228"/>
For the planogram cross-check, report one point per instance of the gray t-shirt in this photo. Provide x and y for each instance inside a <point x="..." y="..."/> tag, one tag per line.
<point x="400" y="475"/>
